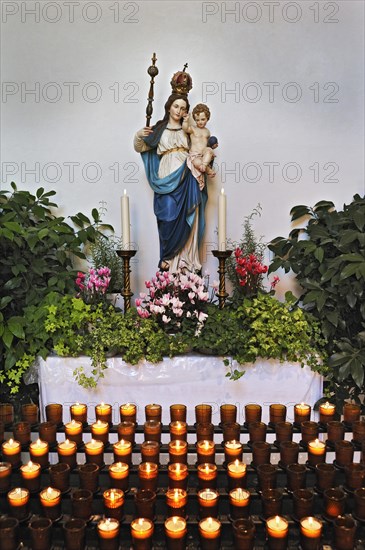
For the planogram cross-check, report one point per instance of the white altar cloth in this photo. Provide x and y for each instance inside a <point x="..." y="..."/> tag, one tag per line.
<point x="188" y="379"/>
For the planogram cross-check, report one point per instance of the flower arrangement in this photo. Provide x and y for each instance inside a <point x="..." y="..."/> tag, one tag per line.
<point x="93" y="286"/>
<point x="176" y="300"/>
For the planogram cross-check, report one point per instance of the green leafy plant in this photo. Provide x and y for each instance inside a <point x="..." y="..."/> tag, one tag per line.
<point x="263" y="327"/>
<point x="327" y="256"/>
<point x="76" y="328"/>
<point x="37" y="249"/>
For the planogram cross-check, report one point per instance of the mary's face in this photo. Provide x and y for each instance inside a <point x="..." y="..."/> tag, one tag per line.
<point x="177" y="110"/>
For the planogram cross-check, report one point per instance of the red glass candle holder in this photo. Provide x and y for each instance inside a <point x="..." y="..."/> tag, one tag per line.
<point x="152" y="430"/>
<point x="261" y="452"/>
<point x="104" y="412"/>
<point x="126" y="430"/>
<point x="9" y="533"/>
<point x="113" y="503"/>
<point x="153" y="411"/>
<point x="345" y="533"/>
<point x="78" y="411"/>
<point x="203" y="413"/>
<point x="302" y="413"/>
<point x="207" y="476"/>
<point x="150" y="451"/>
<point x="11" y="450"/>
<point x="5" y="476"/>
<point x="296" y="476"/>
<point x="39" y="452"/>
<point x="244" y="534"/>
<point x="253" y="413"/>
<point x="284" y="431"/>
<point x="142" y="532"/>
<point x="122" y="451"/>
<point x="48" y="432"/>
<point x="178" y="474"/>
<point x="18" y="501"/>
<point x="334" y="502"/>
<point x="148" y="476"/>
<point x="277" y="413"/>
<point x="178" y="412"/>
<point x="178" y="451"/>
<point x="145" y="503"/>
<point x="289" y="452"/>
<point x="267" y="476"/>
<point x="30" y="413"/>
<point x="344" y="452"/>
<point x="208" y="503"/>
<point x="81" y="504"/>
<point x="59" y="475"/>
<point x="310" y="533"/>
<point x="209" y="533"/>
<point x="303" y="501"/>
<point x="31" y="476"/>
<point x="257" y="431"/>
<point x="325" y="476"/>
<point x="205" y="450"/>
<point x="119" y="475"/>
<point x="40" y="530"/>
<point x="128" y="412"/>
<point x="54" y="413"/>
<point x="108" y="530"/>
<point x="74" y="531"/>
<point x="228" y="413"/>
<point x="277" y="529"/>
<point x="175" y="532"/>
<point x="237" y="474"/>
<point x="89" y="477"/>
<point x="176" y="501"/>
<point x="271" y="502"/>
<point x="50" y="499"/>
<point x="178" y="430"/>
<point x="233" y="450"/>
<point x="351" y="413"/>
<point x="239" y="503"/>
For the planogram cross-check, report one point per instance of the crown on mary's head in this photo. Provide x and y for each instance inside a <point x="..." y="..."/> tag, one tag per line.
<point x="181" y="82"/>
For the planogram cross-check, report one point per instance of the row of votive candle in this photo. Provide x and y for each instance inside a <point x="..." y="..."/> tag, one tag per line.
<point x="203" y="412"/>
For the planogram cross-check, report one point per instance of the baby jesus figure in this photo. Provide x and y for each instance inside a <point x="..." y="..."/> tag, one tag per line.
<point x="200" y="155"/>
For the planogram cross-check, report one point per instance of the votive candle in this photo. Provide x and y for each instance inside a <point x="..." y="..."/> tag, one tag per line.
<point x="66" y="451"/>
<point x="123" y="451"/>
<point x="11" y="450"/>
<point x="94" y="452"/>
<point x="207" y="476"/>
<point x="73" y="431"/>
<point x="326" y="412"/>
<point x="316" y="452"/>
<point x="78" y="411"/>
<point x="233" y="450"/>
<point x="100" y="431"/>
<point x="18" y="500"/>
<point x="128" y="412"/>
<point x="103" y="412"/>
<point x="119" y="475"/>
<point x="178" y="475"/>
<point x="114" y="503"/>
<point x="209" y="532"/>
<point x="310" y="533"/>
<point x="277" y="530"/>
<point x="176" y="500"/>
<point x="302" y="412"/>
<point x="142" y="531"/>
<point x="236" y="471"/>
<point x="205" y="451"/>
<point x="148" y="475"/>
<point x="178" y="430"/>
<point x="176" y="531"/>
<point x="31" y="476"/>
<point x="178" y="451"/>
<point x="50" y="499"/>
<point x="239" y="500"/>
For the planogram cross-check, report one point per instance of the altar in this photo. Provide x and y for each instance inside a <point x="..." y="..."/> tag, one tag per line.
<point x="188" y="379"/>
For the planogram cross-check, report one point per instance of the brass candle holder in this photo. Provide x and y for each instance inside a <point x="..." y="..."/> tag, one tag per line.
<point x="222" y="256"/>
<point x="126" y="255"/>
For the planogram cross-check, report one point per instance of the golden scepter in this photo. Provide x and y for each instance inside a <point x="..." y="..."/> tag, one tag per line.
<point x="152" y="71"/>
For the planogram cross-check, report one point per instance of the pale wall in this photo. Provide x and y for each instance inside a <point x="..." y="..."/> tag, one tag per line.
<point x="319" y="57"/>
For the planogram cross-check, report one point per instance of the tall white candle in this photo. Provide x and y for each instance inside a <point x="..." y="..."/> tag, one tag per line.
<point x="222" y="220"/>
<point x="125" y="221"/>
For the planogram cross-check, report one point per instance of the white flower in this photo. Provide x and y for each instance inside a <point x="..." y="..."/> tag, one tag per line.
<point x="166" y="319"/>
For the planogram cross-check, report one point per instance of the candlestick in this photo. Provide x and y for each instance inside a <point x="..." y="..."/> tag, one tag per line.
<point x="236" y="472"/>
<point x="176" y="501"/>
<point x="310" y="533"/>
<point x="178" y="475"/>
<point x="66" y="451"/>
<point x="50" y="499"/>
<point x="38" y="451"/>
<point x="208" y="503"/>
<point x="239" y="500"/>
<point x="277" y="530"/>
<point x="94" y="452"/>
<point x="222" y="221"/>
<point x="126" y="255"/>
<point x="100" y="431"/>
<point x="78" y="411"/>
<point x="114" y="503"/>
<point x="148" y="475"/>
<point x="11" y="452"/>
<point x="126" y="239"/>
<point x="119" y="475"/>
<point x="31" y="476"/>
<point x="108" y="533"/>
<point x="18" y="500"/>
<point x="205" y="451"/>
<point x="142" y="531"/>
<point x="103" y="412"/>
<point x="222" y="256"/>
<point x="176" y="531"/>
<point x="210" y="532"/>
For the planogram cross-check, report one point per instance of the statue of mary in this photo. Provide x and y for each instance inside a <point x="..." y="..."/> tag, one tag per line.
<point x="179" y="202"/>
